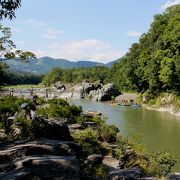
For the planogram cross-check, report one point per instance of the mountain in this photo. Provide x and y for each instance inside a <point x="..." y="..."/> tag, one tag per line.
<point x="110" y="64"/>
<point x="45" y="64"/>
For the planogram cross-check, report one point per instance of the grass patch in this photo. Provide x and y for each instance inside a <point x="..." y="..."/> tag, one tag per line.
<point x="23" y="86"/>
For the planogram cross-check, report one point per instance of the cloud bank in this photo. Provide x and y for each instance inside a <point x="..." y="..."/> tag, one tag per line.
<point x="90" y="49"/>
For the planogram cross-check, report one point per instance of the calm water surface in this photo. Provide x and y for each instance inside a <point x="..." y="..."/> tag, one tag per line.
<point x="159" y="130"/>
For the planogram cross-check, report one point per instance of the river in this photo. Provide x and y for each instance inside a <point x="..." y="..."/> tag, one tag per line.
<point x="158" y="130"/>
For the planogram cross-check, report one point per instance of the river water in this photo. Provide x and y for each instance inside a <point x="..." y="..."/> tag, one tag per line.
<point x="158" y="130"/>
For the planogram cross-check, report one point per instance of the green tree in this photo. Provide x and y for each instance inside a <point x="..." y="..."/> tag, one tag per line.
<point x="8" y="7"/>
<point x="7" y="47"/>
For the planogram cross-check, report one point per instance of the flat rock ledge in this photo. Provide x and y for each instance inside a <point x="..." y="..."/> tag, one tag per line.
<point x="39" y="159"/>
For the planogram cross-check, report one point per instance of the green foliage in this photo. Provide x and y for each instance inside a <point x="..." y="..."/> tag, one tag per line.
<point x="17" y="78"/>
<point x="133" y="154"/>
<point x="56" y="101"/>
<point x="88" y="139"/>
<point x="152" y="65"/>
<point x="25" y="127"/>
<point x="9" y="105"/>
<point x="76" y="75"/>
<point x="165" y="162"/>
<point x="60" y="108"/>
<point x="7" y="46"/>
<point x="8" y="8"/>
<point x="108" y="132"/>
<point x="122" y="145"/>
<point x="96" y="171"/>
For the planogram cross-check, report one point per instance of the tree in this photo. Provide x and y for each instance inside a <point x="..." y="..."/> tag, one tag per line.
<point x="7" y="47"/>
<point x="153" y="64"/>
<point x="8" y="7"/>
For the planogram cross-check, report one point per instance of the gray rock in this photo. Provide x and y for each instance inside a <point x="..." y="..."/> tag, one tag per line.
<point x="91" y="124"/>
<point x="60" y="86"/>
<point x="53" y="130"/>
<point x="44" y="167"/>
<point x="173" y="176"/>
<point x="131" y="173"/>
<point x="74" y="127"/>
<point x="105" y="93"/>
<point x="43" y="159"/>
<point x="95" y="159"/>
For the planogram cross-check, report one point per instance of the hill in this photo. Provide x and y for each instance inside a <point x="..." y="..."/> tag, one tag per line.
<point x="45" y="64"/>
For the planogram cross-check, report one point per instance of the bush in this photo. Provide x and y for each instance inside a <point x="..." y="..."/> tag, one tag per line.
<point x="165" y="162"/>
<point x="108" y="132"/>
<point x="88" y="139"/>
<point x="58" y="101"/>
<point x="133" y="154"/>
<point x="96" y="171"/>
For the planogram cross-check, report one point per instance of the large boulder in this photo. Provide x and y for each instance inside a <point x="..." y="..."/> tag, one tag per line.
<point x="53" y="129"/>
<point x="87" y="87"/>
<point x="105" y="93"/>
<point x="95" y="159"/>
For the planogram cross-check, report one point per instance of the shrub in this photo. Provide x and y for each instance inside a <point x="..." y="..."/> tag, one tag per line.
<point x="88" y="139"/>
<point x="108" y="132"/>
<point x="58" y="101"/>
<point x="95" y="171"/>
<point x="165" y="162"/>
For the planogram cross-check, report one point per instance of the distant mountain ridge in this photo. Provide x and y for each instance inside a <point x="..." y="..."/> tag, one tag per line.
<point x="45" y="64"/>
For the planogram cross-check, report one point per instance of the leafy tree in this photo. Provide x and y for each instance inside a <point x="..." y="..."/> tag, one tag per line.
<point x="7" y="47"/>
<point x="8" y="7"/>
<point x="153" y="64"/>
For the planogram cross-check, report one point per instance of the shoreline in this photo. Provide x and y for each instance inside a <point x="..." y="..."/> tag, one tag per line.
<point x="163" y="109"/>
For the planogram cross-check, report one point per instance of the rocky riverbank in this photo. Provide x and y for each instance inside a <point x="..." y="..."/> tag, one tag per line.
<point x="68" y="145"/>
<point x="94" y="91"/>
<point x="166" y="102"/>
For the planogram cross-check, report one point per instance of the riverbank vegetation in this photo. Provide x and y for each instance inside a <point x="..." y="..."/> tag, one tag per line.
<point x="77" y="75"/>
<point x="94" y="136"/>
<point x="151" y="67"/>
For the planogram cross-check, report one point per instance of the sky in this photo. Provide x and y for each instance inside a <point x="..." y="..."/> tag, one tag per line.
<point x="76" y="30"/>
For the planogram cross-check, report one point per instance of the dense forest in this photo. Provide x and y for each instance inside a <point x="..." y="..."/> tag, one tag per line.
<point x="8" y="77"/>
<point x="77" y="75"/>
<point x="152" y="65"/>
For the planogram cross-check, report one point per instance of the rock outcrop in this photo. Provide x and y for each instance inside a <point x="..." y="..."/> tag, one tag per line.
<point x="131" y="173"/>
<point x="55" y="156"/>
<point x="104" y="93"/>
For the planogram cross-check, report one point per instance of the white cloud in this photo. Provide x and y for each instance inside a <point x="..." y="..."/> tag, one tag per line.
<point x="134" y="33"/>
<point x="35" y="22"/>
<point x="51" y="33"/>
<point x="170" y="3"/>
<point x="91" y="49"/>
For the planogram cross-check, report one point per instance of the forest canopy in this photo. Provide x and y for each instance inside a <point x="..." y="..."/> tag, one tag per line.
<point x="153" y="64"/>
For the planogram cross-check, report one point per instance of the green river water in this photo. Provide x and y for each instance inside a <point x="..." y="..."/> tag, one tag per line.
<point x="158" y="130"/>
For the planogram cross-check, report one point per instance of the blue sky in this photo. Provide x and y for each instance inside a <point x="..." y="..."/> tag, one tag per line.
<point x="96" y="30"/>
